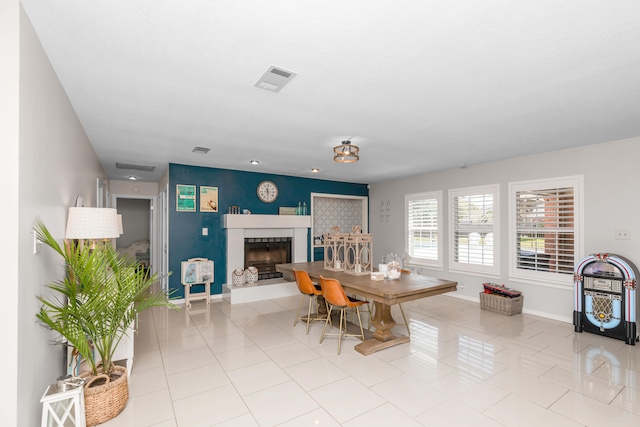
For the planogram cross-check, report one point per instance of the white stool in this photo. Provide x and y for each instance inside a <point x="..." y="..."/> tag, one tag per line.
<point x="188" y="296"/>
<point x="62" y="403"/>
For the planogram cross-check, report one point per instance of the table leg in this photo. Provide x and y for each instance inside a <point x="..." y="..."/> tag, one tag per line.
<point x="383" y="322"/>
<point x="322" y="308"/>
<point x="382" y="337"/>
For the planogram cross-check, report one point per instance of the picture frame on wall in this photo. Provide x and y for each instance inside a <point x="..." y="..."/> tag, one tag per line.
<point x="208" y="199"/>
<point x="185" y="198"/>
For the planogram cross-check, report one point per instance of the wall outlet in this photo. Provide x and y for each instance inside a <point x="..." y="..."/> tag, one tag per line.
<point x="461" y="285"/>
<point x="205" y="231"/>
<point x="623" y="234"/>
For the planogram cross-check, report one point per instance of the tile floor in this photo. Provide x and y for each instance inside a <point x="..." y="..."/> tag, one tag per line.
<point x="246" y="365"/>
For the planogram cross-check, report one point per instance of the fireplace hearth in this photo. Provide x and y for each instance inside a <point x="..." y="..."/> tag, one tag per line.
<point x="265" y="252"/>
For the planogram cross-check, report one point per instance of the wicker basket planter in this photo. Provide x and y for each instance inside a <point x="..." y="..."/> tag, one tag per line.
<point x="501" y="304"/>
<point x="104" y="402"/>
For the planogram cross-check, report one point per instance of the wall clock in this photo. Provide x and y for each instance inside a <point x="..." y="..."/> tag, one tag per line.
<point x="267" y="191"/>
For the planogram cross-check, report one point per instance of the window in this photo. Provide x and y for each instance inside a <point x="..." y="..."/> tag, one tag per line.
<point x="474" y="229"/>
<point x="423" y="242"/>
<point x="544" y="229"/>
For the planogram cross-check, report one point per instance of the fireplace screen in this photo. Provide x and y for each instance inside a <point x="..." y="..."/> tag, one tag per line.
<point x="265" y="252"/>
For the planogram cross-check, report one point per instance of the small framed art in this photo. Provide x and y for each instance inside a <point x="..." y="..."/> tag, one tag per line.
<point x="208" y="199"/>
<point x="185" y="198"/>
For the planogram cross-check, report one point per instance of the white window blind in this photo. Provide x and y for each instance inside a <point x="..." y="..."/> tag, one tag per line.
<point x="545" y="234"/>
<point x="474" y="229"/>
<point x="423" y="228"/>
<point x="545" y="226"/>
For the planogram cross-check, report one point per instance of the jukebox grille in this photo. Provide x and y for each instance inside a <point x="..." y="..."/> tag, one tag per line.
<point x="603" y="306"/>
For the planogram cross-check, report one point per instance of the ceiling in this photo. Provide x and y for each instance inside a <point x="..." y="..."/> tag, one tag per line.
<point x="418" y="85"/>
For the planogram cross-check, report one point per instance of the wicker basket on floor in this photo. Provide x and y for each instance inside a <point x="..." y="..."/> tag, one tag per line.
<point x="104" y="402"/>
<point x="501" y="304"/>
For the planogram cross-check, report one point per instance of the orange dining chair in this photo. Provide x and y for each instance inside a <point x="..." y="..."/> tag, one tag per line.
<point x="336" y="298"/>
<point x="313" y="291"/>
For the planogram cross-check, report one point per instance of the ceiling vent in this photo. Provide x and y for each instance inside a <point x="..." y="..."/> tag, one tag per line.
<point x="275" y="79"/>
<point x="135" y="167"/>
<point x="201" y="150"/>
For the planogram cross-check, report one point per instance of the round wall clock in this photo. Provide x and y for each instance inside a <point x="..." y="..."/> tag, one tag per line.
<point x="267" y="191"/>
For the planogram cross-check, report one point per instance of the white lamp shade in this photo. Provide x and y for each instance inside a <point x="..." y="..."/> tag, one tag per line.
<point x="92" y="223"/>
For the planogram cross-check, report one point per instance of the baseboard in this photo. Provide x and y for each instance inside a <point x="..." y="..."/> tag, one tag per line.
<point x="549" y="316"/>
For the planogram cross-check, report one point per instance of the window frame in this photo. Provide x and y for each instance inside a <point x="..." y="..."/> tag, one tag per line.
<point x="425" y="262"/>
<point x="467" y="268"/>
<point x="551" y="279"/>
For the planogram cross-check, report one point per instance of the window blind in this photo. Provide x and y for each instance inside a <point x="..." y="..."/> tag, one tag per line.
<point x="422" y="227"/>
<point x="473" y="229"/>
<point x="545" y="233"/>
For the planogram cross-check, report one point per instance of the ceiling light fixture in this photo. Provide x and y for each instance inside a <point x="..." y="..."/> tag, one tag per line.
<point x="346" y="153"/>
<point x="315" y="170"/>
<point x="132" y="178"/>
<point x="254" y="162"/>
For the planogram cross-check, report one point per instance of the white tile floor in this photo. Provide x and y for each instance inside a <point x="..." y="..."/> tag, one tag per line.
<point x="246" y="365"/>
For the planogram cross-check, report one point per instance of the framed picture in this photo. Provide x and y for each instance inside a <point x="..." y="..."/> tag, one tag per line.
<point x="208" y="199"/>
<point x="284" y="210"/>
<point x="185" y="198"/>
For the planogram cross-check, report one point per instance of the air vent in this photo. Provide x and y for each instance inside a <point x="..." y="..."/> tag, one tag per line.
<point x="275" y="79"/>
<point x="135" y="167"/>
<point x="201" y="150"/>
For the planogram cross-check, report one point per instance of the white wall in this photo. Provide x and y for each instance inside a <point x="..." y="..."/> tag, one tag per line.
<point x="611" y="181"/>
<point x="56" y="163"/>
<point x="9" y="135"/>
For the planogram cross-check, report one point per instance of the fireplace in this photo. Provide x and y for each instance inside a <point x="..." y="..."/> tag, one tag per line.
<point x="239" y="228"/>
<point x="265" y="252"/>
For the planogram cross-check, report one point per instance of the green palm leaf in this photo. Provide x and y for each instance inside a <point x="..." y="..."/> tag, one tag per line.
<point x="97" y="300"/>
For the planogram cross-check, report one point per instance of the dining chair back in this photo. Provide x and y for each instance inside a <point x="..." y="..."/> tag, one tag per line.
<point x="308" y="289"/>
<point x="337" y="299"/>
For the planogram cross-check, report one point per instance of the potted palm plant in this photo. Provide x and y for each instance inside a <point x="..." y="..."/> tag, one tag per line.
<point x="91" y="309"/>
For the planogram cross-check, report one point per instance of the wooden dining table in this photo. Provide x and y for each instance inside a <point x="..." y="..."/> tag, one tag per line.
<point x="383" y="293"/>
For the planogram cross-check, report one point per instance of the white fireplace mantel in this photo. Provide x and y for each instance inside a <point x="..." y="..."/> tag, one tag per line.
<point x="267" y="221"/>
<point x="239" y="227"/>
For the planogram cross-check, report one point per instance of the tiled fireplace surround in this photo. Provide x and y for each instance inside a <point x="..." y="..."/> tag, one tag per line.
<point x="239" y="227"/>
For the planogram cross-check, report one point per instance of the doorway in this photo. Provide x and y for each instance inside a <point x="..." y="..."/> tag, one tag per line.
<point x="138" y="222"/>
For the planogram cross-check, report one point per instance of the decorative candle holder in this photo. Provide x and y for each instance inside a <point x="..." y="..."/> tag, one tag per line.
<point x="357" y="254"/>
<point x="334" y="255"/>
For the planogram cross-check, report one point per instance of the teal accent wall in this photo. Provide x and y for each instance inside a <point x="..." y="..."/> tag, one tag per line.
<point x="234" y="188"/>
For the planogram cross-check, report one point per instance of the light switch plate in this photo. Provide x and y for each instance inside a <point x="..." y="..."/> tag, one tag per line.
<point x="205" y="231"/>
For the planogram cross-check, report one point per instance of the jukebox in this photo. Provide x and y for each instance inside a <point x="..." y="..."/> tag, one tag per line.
<point x="605" y="299"/>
